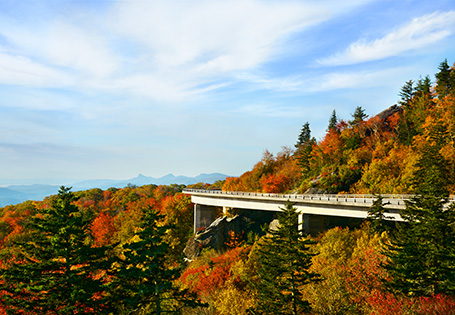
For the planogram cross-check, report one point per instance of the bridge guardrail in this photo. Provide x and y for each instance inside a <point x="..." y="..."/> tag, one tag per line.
<point x="365" y="198"/>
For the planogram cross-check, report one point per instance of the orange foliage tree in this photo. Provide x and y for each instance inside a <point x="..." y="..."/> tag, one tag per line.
<point x="208" y="274"/>
<point x="103" y="229"/>
<point x="274" y="183"/>
<point x="272" y="174"/>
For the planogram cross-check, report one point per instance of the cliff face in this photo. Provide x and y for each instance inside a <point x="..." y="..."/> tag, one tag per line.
<point x="392" y="110"/>
<point x="246" y="225"/>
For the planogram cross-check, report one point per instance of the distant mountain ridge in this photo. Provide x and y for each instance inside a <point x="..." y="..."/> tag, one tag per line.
<point x="15" y="194"/>
<point x="140" y="180"/>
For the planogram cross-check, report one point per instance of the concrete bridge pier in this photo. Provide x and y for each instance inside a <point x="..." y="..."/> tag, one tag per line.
<point x="203" y="216"/>
<point x="311" y="224"/>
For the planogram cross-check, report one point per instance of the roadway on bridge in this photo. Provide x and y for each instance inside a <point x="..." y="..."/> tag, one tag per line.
<point x="352" y="206"/>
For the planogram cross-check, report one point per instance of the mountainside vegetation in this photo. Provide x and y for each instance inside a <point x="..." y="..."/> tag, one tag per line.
<point x="120" y="250"/>
<point x="376" y="155"/>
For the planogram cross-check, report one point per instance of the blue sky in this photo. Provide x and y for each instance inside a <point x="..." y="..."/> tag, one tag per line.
<point x="111" y="89"/>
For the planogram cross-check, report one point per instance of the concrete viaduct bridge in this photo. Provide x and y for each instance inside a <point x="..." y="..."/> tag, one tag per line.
<point x="317" y="212"/>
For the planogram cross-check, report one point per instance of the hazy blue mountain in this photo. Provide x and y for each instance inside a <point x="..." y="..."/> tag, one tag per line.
<point x="36" y="189"/>
<point x="9" y="196"/>
<point x="145" y="180"/>
<point x="15" y="194"/>
<point x="97" y="183"/>
<point x="31" y="181"/>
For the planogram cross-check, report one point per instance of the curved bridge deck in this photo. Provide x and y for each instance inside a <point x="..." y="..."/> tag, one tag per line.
<point x="348" y="206"/>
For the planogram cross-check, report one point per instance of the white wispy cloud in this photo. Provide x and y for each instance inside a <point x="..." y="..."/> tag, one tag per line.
<point x="359" y="79"/>
<point x="78" y="48"/>
<point x="166" y="50"/>
<point x="418" y="33"/>
<point x="20" y="70"/>
<point x="268" y="110"/>
<point x="289" y="83"/>
<point x="212" y="35"/>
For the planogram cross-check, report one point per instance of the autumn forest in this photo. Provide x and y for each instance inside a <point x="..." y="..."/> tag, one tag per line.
<point x="120" y="251"/>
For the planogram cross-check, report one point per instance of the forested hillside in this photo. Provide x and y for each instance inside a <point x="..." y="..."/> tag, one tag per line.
<point x="50" y="249"/>
<point x="120" y="251"/>
<point x="366" y="155"/>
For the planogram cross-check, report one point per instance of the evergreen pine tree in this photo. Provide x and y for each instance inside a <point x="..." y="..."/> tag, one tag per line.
<point x="444" y="80"/>
<point x="304" y="136"/>
<point x="333" y="121"/>
<point x="304" y="148"/>
<point x="407" y="92"/>
<point x="283" y="263"/>
<point x="358" y="116"/>
<point x="423" y="86"/>
<point x="60" y="272"/>
<point x="380" y="222"/>
<point x="414" y="101"/>
<point x="143" y="283"/>
<point x="422" y="253"/>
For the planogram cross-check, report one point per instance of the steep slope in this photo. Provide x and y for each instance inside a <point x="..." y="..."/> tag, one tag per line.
<point x="368" y="156"/>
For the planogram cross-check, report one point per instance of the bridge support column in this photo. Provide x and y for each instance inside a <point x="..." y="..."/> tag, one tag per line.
<point x="311" y="224"/>
<point x="203" y="216"/>
<point x="301" y="222"/>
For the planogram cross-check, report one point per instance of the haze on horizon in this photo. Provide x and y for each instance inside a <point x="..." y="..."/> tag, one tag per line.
<point x="112" y="89"/>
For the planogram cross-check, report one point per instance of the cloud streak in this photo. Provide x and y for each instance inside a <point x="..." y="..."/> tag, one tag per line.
<point x="360" y="79"/>
<point x="20" y="70"/>
<point x="167" y="51"/>
<point x="419" y="33"/>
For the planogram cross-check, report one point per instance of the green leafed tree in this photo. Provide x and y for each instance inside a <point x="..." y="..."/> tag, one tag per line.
<point x="59" y="271"/>
<point x="144" y="282"/>
<point x="282" y="267"/>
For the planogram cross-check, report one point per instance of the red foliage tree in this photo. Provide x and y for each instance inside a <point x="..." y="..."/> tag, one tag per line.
<point x="207" y="278"/>
<point x="274" y="183"/>
<point x="103" y="229"/>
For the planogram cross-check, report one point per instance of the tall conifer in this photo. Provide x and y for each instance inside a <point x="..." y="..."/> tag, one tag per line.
<point x="304" y="148"/>
<point x="304" y="136"/>
<point x="445" y="80"/>
<point x="422" y="253"/>
<point x="60" y="272"/>
<point x="380" y="221"/>
<point x="283" y="263"/>
<point x="423" y="86"/>
<point x="407" y="92"/>
<point x="333" y="121"/>
<point x="358" y="116"/>
<point x="144" y="283"/>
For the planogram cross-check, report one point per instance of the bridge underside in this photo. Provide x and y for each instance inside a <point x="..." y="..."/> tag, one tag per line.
<point x="317" y="213"/>
<point x="312" y="224"/>
<point x="204" y="215"/>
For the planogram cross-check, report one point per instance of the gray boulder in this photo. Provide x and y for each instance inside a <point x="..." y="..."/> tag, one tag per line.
<point x="245" y="223"/>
